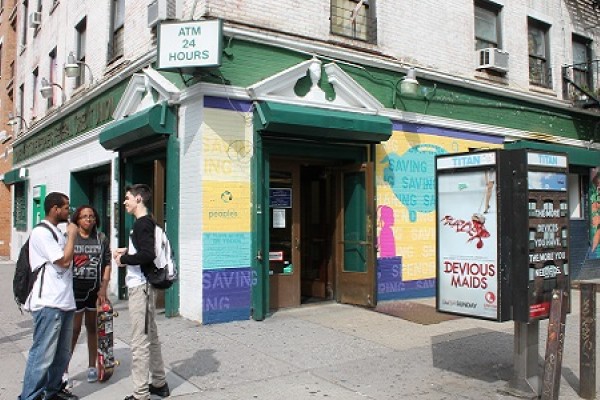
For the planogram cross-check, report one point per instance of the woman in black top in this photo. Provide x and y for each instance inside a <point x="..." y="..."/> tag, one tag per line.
<point x="91" y="274"/>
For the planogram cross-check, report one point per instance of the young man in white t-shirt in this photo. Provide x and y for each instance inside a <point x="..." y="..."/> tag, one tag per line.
<point x="139" y="257"/>
<point x="51" y="303"/>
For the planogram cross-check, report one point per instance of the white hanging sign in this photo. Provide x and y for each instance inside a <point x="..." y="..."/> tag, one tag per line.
<point x="190" y="44"/>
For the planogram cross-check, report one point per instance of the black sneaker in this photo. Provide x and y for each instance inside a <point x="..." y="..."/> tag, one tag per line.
<point x="64" y="394"/>
<point x="162" y="391"/>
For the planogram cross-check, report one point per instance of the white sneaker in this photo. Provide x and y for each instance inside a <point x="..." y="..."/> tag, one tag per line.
<point x="92" y="375"/>
<point x="67" y="381"/>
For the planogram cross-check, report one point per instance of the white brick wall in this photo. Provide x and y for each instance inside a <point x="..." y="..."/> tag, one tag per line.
<point x="58" y="30"/>
<point x="427" y="33"/>
<point x="190" y="215"/>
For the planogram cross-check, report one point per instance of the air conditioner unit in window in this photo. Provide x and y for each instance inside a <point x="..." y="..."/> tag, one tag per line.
<point x="493" y="59"/>
<point x="35" y="19"/>
<point x="161" y="10"/>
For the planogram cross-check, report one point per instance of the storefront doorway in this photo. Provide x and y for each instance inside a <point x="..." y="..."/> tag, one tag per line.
<point x="321" y="242"/>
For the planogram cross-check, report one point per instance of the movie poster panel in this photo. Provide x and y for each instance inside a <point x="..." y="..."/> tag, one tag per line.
<point x="467" y="243"/>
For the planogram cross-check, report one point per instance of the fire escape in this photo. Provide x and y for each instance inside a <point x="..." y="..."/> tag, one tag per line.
<point x="581" y="84"/>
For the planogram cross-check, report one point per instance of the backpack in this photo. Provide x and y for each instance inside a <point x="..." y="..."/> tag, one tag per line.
<point x="164" y="271"/>
<point x="24" y="277"/>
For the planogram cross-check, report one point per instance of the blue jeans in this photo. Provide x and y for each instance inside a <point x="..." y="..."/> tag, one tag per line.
<point x="50" y="352"/>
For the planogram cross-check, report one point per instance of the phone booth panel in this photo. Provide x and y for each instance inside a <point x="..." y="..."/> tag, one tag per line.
<point x="39" y="195"/>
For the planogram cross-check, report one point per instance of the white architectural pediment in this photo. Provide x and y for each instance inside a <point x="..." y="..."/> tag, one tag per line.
<point x="349" y="95"/>
<point x="144" y="90"/>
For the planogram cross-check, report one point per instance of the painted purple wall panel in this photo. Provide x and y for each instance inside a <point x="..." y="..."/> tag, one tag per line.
<point x="227" y="104"/>
<point x="390" y="285"/>
<point x="431" y="130"/>
<point x="227" y="294"/>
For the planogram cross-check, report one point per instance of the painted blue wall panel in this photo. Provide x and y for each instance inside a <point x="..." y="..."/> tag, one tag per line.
<point x="226" y="294"/>
<point x="390" y="285"/>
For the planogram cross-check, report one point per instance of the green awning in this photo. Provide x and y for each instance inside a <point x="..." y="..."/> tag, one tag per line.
<point x="15" y="175"/>
<point x="154" y="121"/>
<point x="576" y="155"/>
<point x="322" y="124"/>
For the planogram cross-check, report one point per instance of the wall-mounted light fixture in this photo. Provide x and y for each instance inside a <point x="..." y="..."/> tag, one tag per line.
<point x="72" y="68"/>
<point x="47" y="91"/>
<point x="13" y="120"/>
<point x="410" y="85"/>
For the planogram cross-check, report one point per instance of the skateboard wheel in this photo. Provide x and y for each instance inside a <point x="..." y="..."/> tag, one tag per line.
<point x="115" y="314"/>
<point x="117" y="363"/>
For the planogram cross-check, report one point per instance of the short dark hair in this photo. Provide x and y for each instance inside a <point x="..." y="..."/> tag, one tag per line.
<point x="142" y="190"/>
<point x="75" y="217"/>
<point x="54" y="199"/>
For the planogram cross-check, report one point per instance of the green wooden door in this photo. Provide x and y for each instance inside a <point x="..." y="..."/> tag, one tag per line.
<point x="355" y="233"/>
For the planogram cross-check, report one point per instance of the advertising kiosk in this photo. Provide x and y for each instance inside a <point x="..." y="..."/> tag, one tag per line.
<point x="502" y="233"/>
<point x="502" y="243"/>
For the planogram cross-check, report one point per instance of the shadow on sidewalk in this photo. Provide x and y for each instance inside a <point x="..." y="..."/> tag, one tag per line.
<point x="481" y="354"/>
<point x="201" y="363"/>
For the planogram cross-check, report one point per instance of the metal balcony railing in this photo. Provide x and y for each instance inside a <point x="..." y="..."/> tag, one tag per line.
<point x="581" y="84"/>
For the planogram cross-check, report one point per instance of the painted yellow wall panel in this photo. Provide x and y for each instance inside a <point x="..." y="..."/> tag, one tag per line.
<point x="226" y="145"/>
<point x="225" y="206"/>
<point x="406" y="205"/>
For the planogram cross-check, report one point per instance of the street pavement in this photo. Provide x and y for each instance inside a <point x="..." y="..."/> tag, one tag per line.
<point x="322" y="351"/>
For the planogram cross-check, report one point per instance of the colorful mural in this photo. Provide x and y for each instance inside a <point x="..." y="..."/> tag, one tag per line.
<point x="406" y="193"/>
<point x="227" y="277"/>
<point x="594" y="252"/>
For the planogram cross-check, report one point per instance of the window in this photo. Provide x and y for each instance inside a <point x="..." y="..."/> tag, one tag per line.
<point x="24" y="20"/>
<point x="540" y="72"/>
<point x="38" y="10"/>
<point x="81" y="39"/>
<point x="354" y="19"/>
<point x="487" y="26"/>
<point x="52" y="75"/>
<point x="34" y="88"/>
<point x="581" y="62"/>
<point x="116" y="42"/>
<point x="20" y="204"/>
<point x="21" y="103"/>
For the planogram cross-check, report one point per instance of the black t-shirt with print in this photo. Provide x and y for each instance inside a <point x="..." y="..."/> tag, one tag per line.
<point x="90" y="256"/>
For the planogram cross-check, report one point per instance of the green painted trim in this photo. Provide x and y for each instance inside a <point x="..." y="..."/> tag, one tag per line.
<point x="260" y="291"/>
<point x="159" y="119"/>
<point x="323" y="124"/>
<point x="172" y="217"/>
<point x="576" y="156"/>
<point x="246" y="63"/>
<point x="13" y="176"/>
<point x="91" y="115"/>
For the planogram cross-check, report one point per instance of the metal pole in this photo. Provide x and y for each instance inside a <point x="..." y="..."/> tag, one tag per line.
<point x="587" y="341"/>
<point x="555" y="345"/>
<point x="526" y="370"/>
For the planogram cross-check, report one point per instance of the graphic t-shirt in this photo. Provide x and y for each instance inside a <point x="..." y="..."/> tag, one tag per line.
<point x="91" y="255"/>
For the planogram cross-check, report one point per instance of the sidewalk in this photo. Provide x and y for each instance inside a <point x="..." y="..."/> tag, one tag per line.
<point x="328" y="351"/>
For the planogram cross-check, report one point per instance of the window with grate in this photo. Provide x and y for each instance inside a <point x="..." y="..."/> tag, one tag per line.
<point x="540" y="72"/>
<point x="354" y="19"/>
<point x="582" y="62"/>
<point x="117" y="38"/>
<point x="52" y="73"/>
<point x="24" y="19"/>
<point x="20" y="206"/>
<point x="487" y="26"/>
<point x="81" y="33"/>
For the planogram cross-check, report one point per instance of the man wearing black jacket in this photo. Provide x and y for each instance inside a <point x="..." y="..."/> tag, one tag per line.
<point x="139" y="257"/>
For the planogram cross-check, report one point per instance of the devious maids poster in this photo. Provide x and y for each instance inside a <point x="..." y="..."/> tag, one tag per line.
<point x="467" y="259"/>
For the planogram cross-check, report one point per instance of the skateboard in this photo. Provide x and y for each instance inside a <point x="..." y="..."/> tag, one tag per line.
<point x="105" y="362"/>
